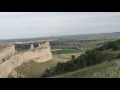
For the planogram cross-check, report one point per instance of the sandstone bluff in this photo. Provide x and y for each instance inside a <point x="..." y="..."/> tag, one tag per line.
<point x="13" y="56"/>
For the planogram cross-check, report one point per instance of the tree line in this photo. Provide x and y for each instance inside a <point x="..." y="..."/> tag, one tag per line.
<point x="92" y="57"/>
<point x="115" y="45"/>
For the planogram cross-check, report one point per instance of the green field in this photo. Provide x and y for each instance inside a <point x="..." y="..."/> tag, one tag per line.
<point x="103" y="70"/>
<point x="66" y="51"/>
<point x="68" y="56"/>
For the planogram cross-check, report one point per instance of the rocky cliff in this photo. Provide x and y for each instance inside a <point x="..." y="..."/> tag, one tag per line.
<point x="7" y="52"/>
<point x="41" y="54"/>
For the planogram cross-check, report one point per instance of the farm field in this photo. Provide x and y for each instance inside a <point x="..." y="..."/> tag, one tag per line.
<point x="67" y="51"/>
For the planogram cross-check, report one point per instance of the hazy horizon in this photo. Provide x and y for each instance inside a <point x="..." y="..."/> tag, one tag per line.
<point x="14" y="25"/>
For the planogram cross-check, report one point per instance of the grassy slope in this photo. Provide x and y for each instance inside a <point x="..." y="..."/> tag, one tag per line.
<point x="33" y="69"/>
<point x="64" y="51"/>
<point x="2" y="47"/>
<point x="103" y="70"/>
<point x="68" y="56"/>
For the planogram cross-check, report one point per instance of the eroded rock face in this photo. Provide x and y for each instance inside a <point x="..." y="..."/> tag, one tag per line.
<point x="32" y="46"/>
<point x="37" y="55"/>
<point x="7" y="52"/>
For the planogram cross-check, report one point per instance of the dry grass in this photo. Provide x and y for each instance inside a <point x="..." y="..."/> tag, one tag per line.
<point x="68" y="56"/>
<point x="33" y="69"/>
<point x="110" y="72"/>
<point x="103" y="70"/>
<point x="2" y="46"/>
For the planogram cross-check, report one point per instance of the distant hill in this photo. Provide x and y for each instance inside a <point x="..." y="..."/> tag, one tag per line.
<point x="62" y="36"/>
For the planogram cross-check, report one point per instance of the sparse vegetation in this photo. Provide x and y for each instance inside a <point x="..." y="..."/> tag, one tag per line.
<point x="92" y="57"/>
<point x="115" y="45"/>
<point x="103" y="70"/>
<point x="73" y="60"/>
<point x="38" y="68"/>
<point x="65" y="51"/>
<point x="2" y="46"/>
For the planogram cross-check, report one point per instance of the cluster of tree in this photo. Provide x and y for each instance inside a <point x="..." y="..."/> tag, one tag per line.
<point x="118" y="56"/>
<point x="92" y="57"/>
<point x="115" y="45"/>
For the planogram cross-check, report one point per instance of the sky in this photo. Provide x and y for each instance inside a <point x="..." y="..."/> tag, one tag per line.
<point x="15" y="25"/>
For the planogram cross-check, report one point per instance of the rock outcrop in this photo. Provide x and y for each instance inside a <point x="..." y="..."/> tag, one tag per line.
<point x="37" y="55"/>
<point x="7" y="52"/>
<point x="32" y="46"/>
